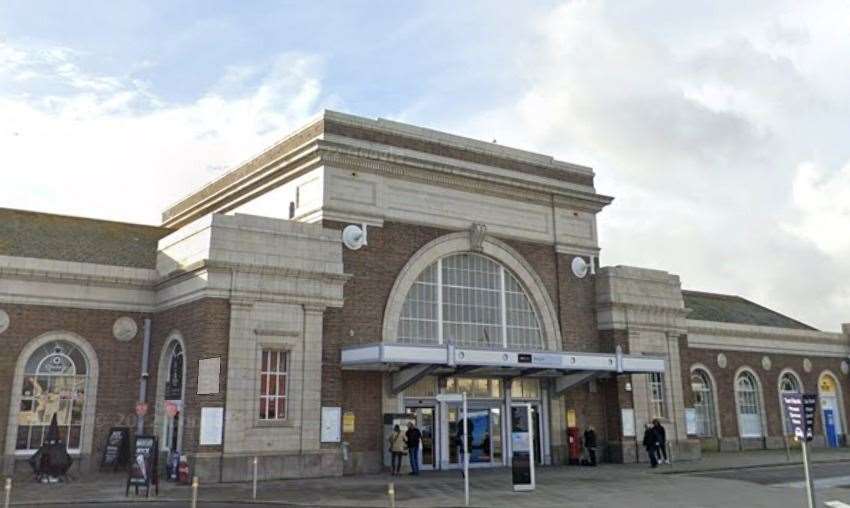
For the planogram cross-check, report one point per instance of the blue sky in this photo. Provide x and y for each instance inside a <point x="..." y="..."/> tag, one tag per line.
<point x="720" y="127"/>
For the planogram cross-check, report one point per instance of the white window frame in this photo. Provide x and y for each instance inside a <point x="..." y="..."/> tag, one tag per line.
<point x="750" y="398"/>
<point x="503" y="325"/>
<point x="707" y="425"/>
<point x="19" y="397"/>
<point x="657" y="395"/>
<point x="279" y="400"/>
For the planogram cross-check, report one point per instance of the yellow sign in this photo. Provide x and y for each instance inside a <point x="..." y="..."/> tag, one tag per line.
<point x="348" y="422"/>
<point x="571" y="418"/>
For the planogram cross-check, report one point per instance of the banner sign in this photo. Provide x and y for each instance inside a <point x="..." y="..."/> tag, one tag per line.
<point x="800" y="412"/>
<point x="117" y="450"/>
<point x="144" y="470"/>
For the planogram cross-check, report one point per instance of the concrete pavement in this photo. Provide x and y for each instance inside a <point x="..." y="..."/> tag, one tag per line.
<point x="607" y="485"/>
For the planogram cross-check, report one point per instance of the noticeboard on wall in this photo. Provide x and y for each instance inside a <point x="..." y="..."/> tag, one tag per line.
<point x="212" y="423"/>
<point x="627" y="415"/>
<point x="691" y="421"/>
<point x="331" y="424"/>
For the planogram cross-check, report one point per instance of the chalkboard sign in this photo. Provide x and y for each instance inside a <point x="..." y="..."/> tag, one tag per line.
<point x="117" y="450"/>
<point x="143" y="470"/>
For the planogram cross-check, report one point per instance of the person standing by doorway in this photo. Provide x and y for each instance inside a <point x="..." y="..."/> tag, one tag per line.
<point x="590" y="444"/>
<point x="650" y="442"/>
<point x="662" y="441"/>
<point x="414" y="437"/>
<point x="398" y="447"/>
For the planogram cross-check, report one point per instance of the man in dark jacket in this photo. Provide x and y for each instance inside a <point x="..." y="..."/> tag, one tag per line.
<point x="590" y="444"/>
<point x="662" y="441"/>
<point x="414" y="437"/>
<point x="650" y="442"/>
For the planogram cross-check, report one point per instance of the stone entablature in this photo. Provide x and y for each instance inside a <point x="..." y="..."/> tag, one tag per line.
<point x="740" y="337"/>
<point x="356" y="170"/>
<point x="639" y="299"/>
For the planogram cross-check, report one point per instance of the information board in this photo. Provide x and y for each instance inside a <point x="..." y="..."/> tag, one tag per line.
<point x="117" y="449"/>
<point x="331" y="422"/>
<point x="212" y="425"/>
<point x="800" y="412"/>
<point x="522" y="465"/>
<point x="627" y="417"/>
<point x="144" y="470"/>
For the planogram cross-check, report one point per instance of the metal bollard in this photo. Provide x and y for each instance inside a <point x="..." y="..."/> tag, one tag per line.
<point x="8" y="488"/>
<point x="391" y="493"/>
<point x="255" y="479"/>
<point x="194" y="492"/>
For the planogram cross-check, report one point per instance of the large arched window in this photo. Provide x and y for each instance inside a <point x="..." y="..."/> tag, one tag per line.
<point x="703" y="402"/>
<point x="749" y="405"/>
<point x="55" y="381"/>
<point x="469" y="299"/>
<point x="788" y="383"/>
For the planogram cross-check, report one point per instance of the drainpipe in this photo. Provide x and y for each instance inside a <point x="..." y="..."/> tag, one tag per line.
<point x="143" y="380"/>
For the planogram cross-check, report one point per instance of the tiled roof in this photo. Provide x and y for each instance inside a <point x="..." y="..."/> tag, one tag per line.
<point x="48" y="236"/>
<point x="734" y="309"/>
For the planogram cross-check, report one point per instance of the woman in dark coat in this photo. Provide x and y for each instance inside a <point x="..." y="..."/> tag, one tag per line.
<point x="650" y="442"/>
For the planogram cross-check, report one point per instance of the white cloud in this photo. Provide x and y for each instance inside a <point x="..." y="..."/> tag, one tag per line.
<point x="822" y="202"/>
<point x="105" y="146"/>
<point x="699" y="124"/>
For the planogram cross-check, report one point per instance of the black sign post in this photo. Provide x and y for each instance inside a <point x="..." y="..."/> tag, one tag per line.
<point x="117" y="450"/>
<point x="522" y="451"/>
<point x="800" y="411"/>
<point x="144" y="470"/>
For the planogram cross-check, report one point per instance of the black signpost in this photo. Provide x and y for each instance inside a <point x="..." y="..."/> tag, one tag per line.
<point x="800" y="411"/>
<point x="522" y="451"/>
<point x="144" y="470"/>
<point x="117" y="450"/>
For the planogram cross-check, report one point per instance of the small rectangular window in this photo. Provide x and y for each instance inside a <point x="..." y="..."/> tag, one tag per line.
<point x="273" y="367"/>
<point x="657" y="404"/>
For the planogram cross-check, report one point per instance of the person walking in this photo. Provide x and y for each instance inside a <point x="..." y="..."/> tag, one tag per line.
<point x="590" y="444"/>
<point x="650" y="442"/>
<point x="414" y="437"/>
<point x="662" y="441"/>
<point x="398" y="447"/>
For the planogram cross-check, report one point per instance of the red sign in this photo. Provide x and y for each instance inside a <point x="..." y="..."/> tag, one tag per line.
<point x="170" y="408"/>
<point x="141" y="409"/>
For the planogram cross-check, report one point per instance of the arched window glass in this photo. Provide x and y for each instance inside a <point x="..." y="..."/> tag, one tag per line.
<point x="789" y="383"/>
<point x="174" y="382"/>
<point x="749" y="406"/>
<point x="703" y="402"/>
<point x="55" y="380"/>
<point x="469" y="299"/>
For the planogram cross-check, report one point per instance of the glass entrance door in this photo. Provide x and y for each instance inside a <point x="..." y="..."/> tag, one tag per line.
<point x="425" y="422"/>
<point x="485" y="436"/>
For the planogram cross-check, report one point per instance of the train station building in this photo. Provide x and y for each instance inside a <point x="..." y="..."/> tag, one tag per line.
<point x="296" y="308"/>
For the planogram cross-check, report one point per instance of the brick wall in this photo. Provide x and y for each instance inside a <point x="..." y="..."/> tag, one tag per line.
<point x="119" y="363"/>
<point x="769" y="380"/>
<point x="360" y="321"/>
<point x="205" y="327"/>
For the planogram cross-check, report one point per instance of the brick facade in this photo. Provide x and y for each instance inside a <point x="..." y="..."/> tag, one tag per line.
<point x="768" y="380"/>
<point x="118" y="364"/>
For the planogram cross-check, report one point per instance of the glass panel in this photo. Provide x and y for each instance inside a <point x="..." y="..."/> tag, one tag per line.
<point x="480" y="440"/>
<point x="496" y="434"/>
<point x="36" y="432"/>
<point x="281" y="385"/>
<point x="281" y="407"/>
<point x="23" y="437"/>
<point x="425" y="387"/>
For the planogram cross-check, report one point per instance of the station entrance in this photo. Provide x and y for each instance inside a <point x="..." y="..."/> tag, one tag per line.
<point x="441" y="423"/>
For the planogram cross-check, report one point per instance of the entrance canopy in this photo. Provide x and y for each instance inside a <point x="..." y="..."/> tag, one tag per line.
<point x="409" y="363"/>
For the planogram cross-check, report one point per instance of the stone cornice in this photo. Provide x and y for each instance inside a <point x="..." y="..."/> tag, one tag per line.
<point x="93" y="275"/>
<point x="734" y="330"/>
<point x="460" y="177"/>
